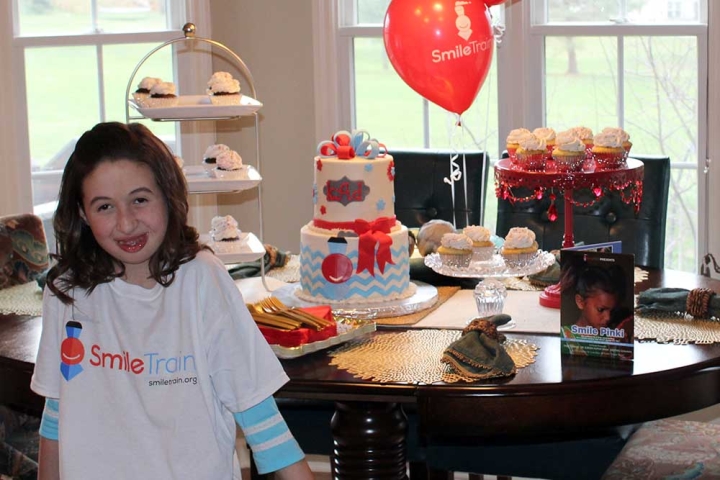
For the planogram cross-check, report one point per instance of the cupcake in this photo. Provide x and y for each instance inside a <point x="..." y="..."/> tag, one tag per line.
<point x="162" y="94"/>
<point x="623" y="136"/>
<point x="547" y="134"/>
<point x="224" y="229"/>
<point x="455" y="250"/>
<point x="211" y="154"/>
<point x="519" y="248"/>
<point x="482" y="248"/>
<point x="223" y="89"/>
<point x="569" y="152"/>
<point x="586" y="136"/>
<point x="531" y="153"/>
<point x="229" y="165"/>
<point x="608" y="151"/>
<point x="143" y="89"/>
<point x="513" y="140"/>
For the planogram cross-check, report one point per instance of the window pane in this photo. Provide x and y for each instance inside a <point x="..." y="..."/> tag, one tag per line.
<point x="580" y="82"/>
<point x="634" y="11"/>
<point x="371" y="11"/>
<point x="49" y="17"/>
<point x="661" y="114"/>
<point x="384" y="105"/>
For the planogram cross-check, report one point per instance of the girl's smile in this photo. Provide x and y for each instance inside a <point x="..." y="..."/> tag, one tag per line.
<point x="127" y="214"/>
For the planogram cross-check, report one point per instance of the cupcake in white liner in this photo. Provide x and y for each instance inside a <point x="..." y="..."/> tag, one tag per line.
<point x="143" y="89"/>
<point x="223" y="89"/>
<point x="162" y="95"/>
<point x="224" y="229"/>
<point x="482" y="247"/>
<point x="211" y="153"/>
<point x="229" y="165"/>
<point x="520" y="247"/>
<point x="455" y="250"/>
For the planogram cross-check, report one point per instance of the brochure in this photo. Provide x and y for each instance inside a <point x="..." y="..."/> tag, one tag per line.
<point x="596" y="303"/>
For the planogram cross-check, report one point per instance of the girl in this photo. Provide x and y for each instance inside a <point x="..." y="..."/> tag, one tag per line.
<point x="148" y="355"/>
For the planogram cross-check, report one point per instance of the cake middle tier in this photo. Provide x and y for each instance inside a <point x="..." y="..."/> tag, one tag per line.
<point x="356" y="188"/>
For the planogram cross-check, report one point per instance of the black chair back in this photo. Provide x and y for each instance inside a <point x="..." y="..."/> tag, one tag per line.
<point x="422" y="195"/>
<point x="609" y="219"/>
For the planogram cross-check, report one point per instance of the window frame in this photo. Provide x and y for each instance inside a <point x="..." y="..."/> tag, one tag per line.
<point x="333" y="74"/>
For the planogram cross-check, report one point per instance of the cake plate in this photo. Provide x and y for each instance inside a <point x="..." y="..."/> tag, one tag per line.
<point x="493" y="268"/>
<point x="424" y="297"/>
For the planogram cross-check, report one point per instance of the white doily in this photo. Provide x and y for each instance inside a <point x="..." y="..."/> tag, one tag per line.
<point x="23" y="299"/>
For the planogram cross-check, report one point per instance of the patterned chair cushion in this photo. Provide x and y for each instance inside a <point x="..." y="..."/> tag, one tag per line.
<point x="669" y="449"/>
<point x="23" y="249"/>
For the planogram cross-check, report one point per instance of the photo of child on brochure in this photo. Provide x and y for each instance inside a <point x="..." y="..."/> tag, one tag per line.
<point x="596" y="313"/>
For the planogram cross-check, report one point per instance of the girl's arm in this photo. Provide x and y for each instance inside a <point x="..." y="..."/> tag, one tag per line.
<point x="273" y="446"/>
<point x="48" y="460"/>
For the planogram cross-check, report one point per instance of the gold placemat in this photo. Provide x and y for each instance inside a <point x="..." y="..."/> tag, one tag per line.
<point x="25" y="299"/>
<point x="677" y="328"/>
<point x="523" y="283"/>
<point x="413" y="356"/>
<point x="444" y="293"/>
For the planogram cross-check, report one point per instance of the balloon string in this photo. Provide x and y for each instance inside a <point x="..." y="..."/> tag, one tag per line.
<point x="455" y="171"/>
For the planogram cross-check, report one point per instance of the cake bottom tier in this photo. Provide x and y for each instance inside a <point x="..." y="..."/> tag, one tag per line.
<point x="329" y="267"/>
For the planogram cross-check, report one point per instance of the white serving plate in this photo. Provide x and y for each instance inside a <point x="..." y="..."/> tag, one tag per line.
<point x="247" y="249"/>
<point x="198" y="107"/>
<point x="201" y="181"/>
<point x="351" y="332"/>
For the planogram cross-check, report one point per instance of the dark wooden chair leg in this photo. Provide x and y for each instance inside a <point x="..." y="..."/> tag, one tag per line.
<point x="418" y="471"/>
<point x="434" y="474"/>
<point x="479" y="476"/>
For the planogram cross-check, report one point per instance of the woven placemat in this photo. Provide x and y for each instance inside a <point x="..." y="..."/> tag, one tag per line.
<point x="414" y="357"/>
<point x="25" y="299"/>
<point x="444" y="293"/>
<point x="678" y="328"/>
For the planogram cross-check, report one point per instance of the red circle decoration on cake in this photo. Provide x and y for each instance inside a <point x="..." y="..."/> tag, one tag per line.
<point x="337" y="268"/>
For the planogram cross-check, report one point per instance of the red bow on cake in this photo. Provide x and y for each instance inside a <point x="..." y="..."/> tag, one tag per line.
<point x="372" y="234"/>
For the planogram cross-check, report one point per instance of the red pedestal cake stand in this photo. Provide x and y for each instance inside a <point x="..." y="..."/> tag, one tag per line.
<point x="627" y="181"/>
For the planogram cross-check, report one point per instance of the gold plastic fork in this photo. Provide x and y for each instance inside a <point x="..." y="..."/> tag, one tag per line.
<point x="274" y="305"/>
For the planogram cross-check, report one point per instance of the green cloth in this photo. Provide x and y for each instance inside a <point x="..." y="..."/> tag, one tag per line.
<point x="477" y="356"/>
<point x="272" y="258"/>
<point x="671" y="300"/>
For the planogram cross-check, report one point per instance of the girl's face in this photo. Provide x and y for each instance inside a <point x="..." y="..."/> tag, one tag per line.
<point x="595" y="308"/>
<point x="127" y="214"/>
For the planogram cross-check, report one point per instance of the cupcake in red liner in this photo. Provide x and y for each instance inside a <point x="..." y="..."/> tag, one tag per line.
<point x="608" y="152"/>
<point x="512" y="142"/>
<point x="547" y="134"/>
<point x="586" y="136"/>
<point x="532" y="153"/>
<point x="622" y="136"/>
<point x="569" y="152"/>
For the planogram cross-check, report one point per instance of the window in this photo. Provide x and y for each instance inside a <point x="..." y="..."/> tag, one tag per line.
<point x="637" y="64"/>
<point x="77" y="56"/>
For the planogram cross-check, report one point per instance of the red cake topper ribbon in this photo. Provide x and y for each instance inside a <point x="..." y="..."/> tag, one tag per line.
<point x="346" y="145"/>
<point x="372" y="234"/>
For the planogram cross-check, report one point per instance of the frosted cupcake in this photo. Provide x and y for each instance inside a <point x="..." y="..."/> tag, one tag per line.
<point x="225" y="234"/>
<point x="569" y="152"/>
<point x="455" y="250"/>
<point x="229" y="165"/>
<point x="586" y="136"/>
<point x="223" y="89"/>
<point x="143" y="89"/>
<point x="482" y="248"/>
<point x="512" y="142"/>
<point x="519" y="248"/>
<point x="531" y="153"/>
<point x="623" y="136"/>
<point x="608" y="151"/>
<point x="211" y="154"/>
<point x="547" y="134"/>
<point x="162" y="94"/>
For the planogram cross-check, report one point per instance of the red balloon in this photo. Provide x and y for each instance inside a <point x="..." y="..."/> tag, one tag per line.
<point x="492" y="3"/>
<point x="441" y="48"/>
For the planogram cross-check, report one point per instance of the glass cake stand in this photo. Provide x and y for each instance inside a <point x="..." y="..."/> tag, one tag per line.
<point x="424" y="297"/>
<point x="493" y="268"/>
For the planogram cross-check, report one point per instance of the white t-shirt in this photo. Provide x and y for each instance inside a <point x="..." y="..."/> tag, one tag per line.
<point x="148" y="379"/>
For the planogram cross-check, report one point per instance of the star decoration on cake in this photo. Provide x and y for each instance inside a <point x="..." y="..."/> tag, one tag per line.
<point x="318" y="165"/>
<point x="323" y="210"/>
<point x="381" y="205"/>
<point x="368" y="167"/>
<point x="391" y="171"/>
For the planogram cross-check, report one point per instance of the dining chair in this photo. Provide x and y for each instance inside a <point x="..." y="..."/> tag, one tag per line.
<point x="23" y="258"/>
<point x="608" y="219"/>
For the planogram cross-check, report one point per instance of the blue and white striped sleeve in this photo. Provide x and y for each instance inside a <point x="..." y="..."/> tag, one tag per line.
<point x="49" y="421"/>
<point x="268" y="436"/>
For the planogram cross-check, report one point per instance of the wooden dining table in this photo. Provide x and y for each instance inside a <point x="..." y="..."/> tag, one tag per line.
<point x="554" y="397"/>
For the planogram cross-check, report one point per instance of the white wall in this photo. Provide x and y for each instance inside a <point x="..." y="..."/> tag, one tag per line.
<point x="274" y="38"/>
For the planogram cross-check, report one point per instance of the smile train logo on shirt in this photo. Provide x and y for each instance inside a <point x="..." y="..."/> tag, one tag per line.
<point x="72" y="351"/>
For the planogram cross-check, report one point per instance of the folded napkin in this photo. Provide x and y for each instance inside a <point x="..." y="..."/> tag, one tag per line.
<point x="273" y="258"/>
<point x="478" y="353"/>
<point x="699" y="302"/>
